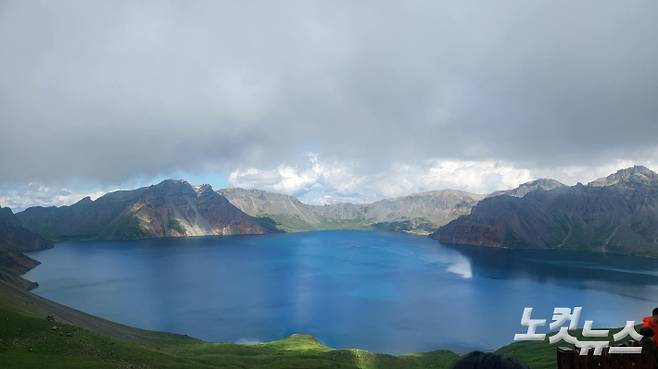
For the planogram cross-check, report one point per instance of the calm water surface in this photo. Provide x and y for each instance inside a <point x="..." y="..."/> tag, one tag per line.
<point x="385" y="292"/>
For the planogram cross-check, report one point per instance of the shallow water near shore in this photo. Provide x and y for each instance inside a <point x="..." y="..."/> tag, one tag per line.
<point x="384" y="292"/>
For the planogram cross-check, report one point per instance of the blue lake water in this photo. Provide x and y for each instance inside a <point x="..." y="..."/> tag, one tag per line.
<point x="385" y="292"/>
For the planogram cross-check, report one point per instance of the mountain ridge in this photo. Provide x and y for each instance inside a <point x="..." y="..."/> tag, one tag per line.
<point x="541" y="184"/>
<point x="537" y="214"/>
<point x="617" y="214"/>
<point x="171" y="208"/>
<point x="416" y="212"/>
<point x="635" y="175"/>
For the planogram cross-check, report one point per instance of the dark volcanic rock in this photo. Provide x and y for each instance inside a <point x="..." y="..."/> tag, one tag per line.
<point x="172" y="208"/>
<point x="13" y="264"/>
<point x="13" y="240"/>
<point x="618" y="214"/>
<point x="15" y="236"/>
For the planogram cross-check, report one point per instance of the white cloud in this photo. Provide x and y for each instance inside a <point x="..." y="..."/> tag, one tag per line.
<point x="323" y="182"/>
<point x="573" y="174"/>
<point x="320" y="181"/>
<point x="314" y="182"/>
<point x="473" y="176"/>
<point x="19" y="198"/>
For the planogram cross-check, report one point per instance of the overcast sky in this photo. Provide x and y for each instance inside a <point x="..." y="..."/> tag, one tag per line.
<point x="327" y="100"/>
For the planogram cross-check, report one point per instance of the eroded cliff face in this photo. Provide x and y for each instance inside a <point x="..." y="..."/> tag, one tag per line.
<point x="172" y="208"/>
<point x="262" y="203"/>
<point x="13" y="264"/>
<point x="14" y="239"/>
<point x="618" y="214"/>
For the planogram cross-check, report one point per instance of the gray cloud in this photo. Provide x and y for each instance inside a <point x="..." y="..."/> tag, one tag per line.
<point x="106" y="91"/>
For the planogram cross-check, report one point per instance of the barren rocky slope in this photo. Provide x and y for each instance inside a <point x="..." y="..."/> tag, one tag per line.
<point x="618" y="213"/>
<point x="14" y="239"/>
<point x="419" y="212"/>
<point x="172" y="208"/>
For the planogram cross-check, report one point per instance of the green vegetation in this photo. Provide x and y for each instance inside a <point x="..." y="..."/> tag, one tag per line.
<point x="175" y="224"/>
<point x="31" y="341"/>
<point x="541" y="354"/>
<point x="30" y="337"/>
<point x="537" y="355"/>
<point x="293" y="223"/>
<point x="126" y="226"/>
<point x="512" y="239"/>
<point x="417" y="225"/>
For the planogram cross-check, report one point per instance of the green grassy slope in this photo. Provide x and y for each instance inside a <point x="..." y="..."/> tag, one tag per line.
<point x="537" y="355"/>
<point x="28" y="339"/>
<point x="32" y="342"/>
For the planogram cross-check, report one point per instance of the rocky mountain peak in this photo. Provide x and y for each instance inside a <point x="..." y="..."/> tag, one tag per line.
<point x="7" y="218"/>
<point x="172" y="183"/>
<point x="171" y="208"/>
<point x="13" y="235"/>
<point x="205" y="194"/>
<point x="204" y="188"/>
<point x="541" y="184"/>
<point x="545" y="183"/>
<point x="5" y="212"/>
<point x="636" y="175"/>
<point x="173" y="187"/>
<point x="616" y="214"/>
<point x="85" y="200"/>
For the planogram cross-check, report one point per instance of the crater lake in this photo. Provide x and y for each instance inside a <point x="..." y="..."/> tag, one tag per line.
<point x="380" y="291"/>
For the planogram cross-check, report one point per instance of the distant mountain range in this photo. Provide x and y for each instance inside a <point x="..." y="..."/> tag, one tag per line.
<point x="172" y="208"/>
<point x="618" y="214"/>
<point x="422" y="212"/>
